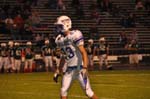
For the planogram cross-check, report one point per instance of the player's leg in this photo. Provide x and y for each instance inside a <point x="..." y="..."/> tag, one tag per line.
<point x="0" y="63"/>
<point x="6" y="67"/>
<point x="90" y="62"/>
<point x="131" y="61"/>
<point x="100" y="62"/>
<point x="30" y="65"/>
<point x="15" y="65"/>
<point x="19" y="65"/>
<point x="57" y="64"/>
<point x="51" y="63"/>
<point x="46" y="63"/>
<point x="136" y="61"/>
<point x="106" y="61"/>
<point x="12" y="63"/>
<point x="26" y="66"/>
<point x="66" y="82"/>
<point x="85" y="84"/>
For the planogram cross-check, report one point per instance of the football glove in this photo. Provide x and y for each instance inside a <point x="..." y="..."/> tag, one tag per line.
<point x="55" y="77"/>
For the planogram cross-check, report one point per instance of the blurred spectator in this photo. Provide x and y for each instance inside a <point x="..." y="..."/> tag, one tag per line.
<point x="99" y="4"/>
<point x="96" y="16"/>
<point x="75" y="3"/>
<point x="116" y="11"/>
<point x="52" y="4"/>
<point x="131" y="21"/>
<point x="3" y="15"/>
<point x="15" y="33"/>
<point x="106" y="5"/>
<point x="25" y="14"/>
<point x="123" y="39"/>
<point x="36" y="19"/>
<point x="147" y="4"/>
<point x="93" y="6"/>
<point x="6" y="7"/>
<point x="148" y="13"/>
<point x="139" y="5"/>
<point x="61" y="5"/>
<point x="27" y="6"/>
<point x="3" y="27"/>
<point x="132" y="48"/>
<point x="93" y="32"/>
<point x="79" y="12"/>
<point x="18" y="20"/>
<point x="134" y="35"/>
<point x="34" y="2"/>
<point x="39" y="40"/>
<point x="9" y="23"/>
<point x="123" y="21"/>
<point x="16" y="10"/>
<point x="28" y="30"/>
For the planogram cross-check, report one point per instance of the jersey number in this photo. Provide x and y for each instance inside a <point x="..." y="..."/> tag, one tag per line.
<point x="70" y="53"/>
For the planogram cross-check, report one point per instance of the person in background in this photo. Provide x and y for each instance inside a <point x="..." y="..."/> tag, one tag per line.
<point x="11" y="55"/>
<point x="103" y="51"/>
<point x="28" y="57"/>
<point x="132" y="47"/>
<point x="4" y="57"/>
<point x="90" y="48"/>
<point x="47" y="53"/>
<point x="123" y="39"/>
<point x="17" y="57"/>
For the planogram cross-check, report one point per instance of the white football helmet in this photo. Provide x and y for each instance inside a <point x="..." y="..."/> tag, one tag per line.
<point x="17" y="44"/>
<point x="10" y="43"/>
<point x="102" y="39"/>
<point x="46" y="42"/>
<point x="29" y="43"/>
<point x="65" y="22"/>
<point x="90" y="41"/>
<point x="3" y="44"/>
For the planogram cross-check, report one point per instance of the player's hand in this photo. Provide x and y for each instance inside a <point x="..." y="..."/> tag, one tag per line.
<point x="55" y="77"/>
<point x="84" y="72"/>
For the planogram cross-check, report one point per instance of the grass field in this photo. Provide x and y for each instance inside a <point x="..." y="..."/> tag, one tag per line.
<point x="106" y="84"/>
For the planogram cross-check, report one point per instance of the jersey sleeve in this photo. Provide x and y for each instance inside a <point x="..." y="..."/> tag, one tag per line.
<point x="59" y="41"/>
<point x="78" y="38"/>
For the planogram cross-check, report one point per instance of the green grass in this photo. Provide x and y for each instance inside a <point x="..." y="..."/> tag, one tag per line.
<point x="106" y="84"/>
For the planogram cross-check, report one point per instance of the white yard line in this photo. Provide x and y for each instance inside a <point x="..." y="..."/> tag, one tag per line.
<point x="98" y="75"/>
<point x="52" y="94"/>
<point x="119" y="85"/>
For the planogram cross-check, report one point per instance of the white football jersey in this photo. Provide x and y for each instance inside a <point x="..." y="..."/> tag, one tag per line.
<point x="69" y="45"/>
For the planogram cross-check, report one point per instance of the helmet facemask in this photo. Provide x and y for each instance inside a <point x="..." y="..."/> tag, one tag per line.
<point x="63" y="24"/>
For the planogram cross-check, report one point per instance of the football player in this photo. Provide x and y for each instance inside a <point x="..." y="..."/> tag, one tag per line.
<point x="28" y="57"/>
<point x="11" y="54"/>
<point x="103" y="51"/>
<point x="72" y="44"/>
<point x="132" y="48"/>
<point x="4" y="57"/>
<point x="90" y="51"/>
<point x="17" y="57"/>
<point x="47" y="54"/>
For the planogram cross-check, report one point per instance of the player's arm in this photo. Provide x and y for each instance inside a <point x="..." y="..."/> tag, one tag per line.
<point x="84" y="56"/>
<point x="79" y="41"/>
